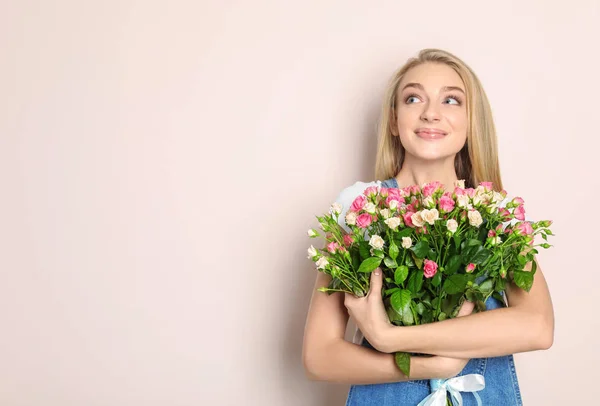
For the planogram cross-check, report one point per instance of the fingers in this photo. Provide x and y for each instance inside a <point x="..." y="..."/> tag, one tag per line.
<point x="466" y="309"/>
<point x="376" y="283"/>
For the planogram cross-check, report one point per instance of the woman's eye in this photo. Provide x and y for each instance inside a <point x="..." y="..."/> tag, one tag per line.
<point x="408" y="99"/>
<point x="456" y="100"/>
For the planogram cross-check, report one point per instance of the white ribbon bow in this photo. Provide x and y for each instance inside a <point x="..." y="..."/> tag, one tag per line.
<point x="465" y="383"/>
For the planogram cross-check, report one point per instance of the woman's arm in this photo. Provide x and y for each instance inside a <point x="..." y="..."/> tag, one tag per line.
<point x="328" y="357"/>
<point x="526" y="325"/>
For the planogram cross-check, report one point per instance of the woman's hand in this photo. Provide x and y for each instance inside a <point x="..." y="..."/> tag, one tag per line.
<point x="369" y="312"/>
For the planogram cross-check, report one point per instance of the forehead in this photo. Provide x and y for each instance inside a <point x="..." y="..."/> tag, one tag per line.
<point x="432" y="76"/>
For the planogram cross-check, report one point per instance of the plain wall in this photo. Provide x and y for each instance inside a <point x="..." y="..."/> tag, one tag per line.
<point x="160" y="163"/>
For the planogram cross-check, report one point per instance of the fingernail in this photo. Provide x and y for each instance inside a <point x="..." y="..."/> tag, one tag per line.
<point x="377" y="271"/>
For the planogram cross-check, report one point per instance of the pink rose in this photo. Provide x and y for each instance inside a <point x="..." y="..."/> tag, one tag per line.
<point x="505" y="214"/>
<point x="408" y="218"/>
<point x="458" y="191"/>
<point x="491" y="234"/>
<point x="470" y="192"/>
<point x="415" y="189"/>
<point x="364" y="220"/>
<point x="371" y="191"/>
<point x="430" y="268"/>
<point x="519" y="213"/>
<point x="499" y="229"/>
<point x="358" y="203"/>
<point x="332" y="247"/>
<point x="471" y="267"/>
<point x="446" y="204"/>
<point x="394" y="194"/>
<point x="518" y="201"/>
<point x="348" y="240"/>
<point x="487" y="185"/>
<point x="524" y="228"/>
<point x="384" y="192"/>
<point x="430" y="188"/>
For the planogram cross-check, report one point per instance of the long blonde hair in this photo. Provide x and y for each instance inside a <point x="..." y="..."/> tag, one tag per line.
<point x="477" y="161"/>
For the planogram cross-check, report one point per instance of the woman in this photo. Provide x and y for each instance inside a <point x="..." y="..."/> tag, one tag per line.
<point x="436" y="125"/>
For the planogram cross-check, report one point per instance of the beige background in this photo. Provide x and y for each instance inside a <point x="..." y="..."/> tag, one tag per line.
<point x="160" y="163"/>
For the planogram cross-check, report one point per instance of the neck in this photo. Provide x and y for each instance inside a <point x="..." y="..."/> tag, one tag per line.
<point x="417" y="172"/>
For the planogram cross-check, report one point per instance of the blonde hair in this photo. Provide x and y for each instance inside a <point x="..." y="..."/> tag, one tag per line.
<point x="477" y="161"/>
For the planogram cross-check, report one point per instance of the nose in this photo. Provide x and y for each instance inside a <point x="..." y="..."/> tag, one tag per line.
<point x="430" y="113"/>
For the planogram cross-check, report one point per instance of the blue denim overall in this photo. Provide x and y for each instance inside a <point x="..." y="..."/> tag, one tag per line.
<point x="501" y="384"/>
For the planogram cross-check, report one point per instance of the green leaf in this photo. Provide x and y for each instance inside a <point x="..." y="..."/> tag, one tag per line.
<point x="420" y="308"/>
<point x="400" y="301"/>
<point x="442" y="316"/>
<point x="418" y="261"/>
<point x="394" y="251"/>
<point x="369" y="264"/>
<point x="408" y="318"/>
<point x="364" y="249"/>
<point x="456" y="239"/>
<point x="437" y="279"/>
<point x="498" y="297"/>
<point x="421" y="249"/>
<point x="390" y="263"/>
<point x="378" y="253"/>
<point x="427" y="317"/>
<point x="403" y="362"/>
<point x="408" y="261"/>
<point x="523" y="279"/>
<point x="453" y="265"/>
<point x="400" y="274"/>
<point x="393" y="315"/>
<point x="455" y="284"/>
<point x="405" y="233"/>
<point x="481" y="256"/>
<point x="415" y="282"/>
<point x="487" y="286"/>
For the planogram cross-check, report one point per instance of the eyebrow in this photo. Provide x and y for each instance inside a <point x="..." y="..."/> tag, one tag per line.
<point x="444" y="89"/>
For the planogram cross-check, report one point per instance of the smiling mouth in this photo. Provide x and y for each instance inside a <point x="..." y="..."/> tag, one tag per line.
<point x="430" y="135"/>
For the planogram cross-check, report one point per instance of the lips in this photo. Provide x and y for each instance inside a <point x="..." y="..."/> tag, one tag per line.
<point x="430" y="133"/>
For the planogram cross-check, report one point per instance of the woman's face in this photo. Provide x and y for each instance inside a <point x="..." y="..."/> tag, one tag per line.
<point x="431" y="112"/>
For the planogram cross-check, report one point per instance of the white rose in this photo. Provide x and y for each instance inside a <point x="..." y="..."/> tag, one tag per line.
<point x="385" y="213"/>
<point x="312" y="252"/>
<point x="406" y="242"/>
<point x="376" y="242"/>
<point x="311" y="233"/>
<point x="452" y="225"/>
<point x="335" y="208"/>
<point x="428" y="202"/>
<point x="463" y="201"/>
<point x="370" y="208"/>
<point x="322" y="263"/>
<point x="477" y="200"/>
<point x="351" y="218"/>
<point x="417" y="219"/>
<point x="474" y="218"/>
<point x="393" y="222"/>
<point x="460" y="183"/>
<point x="492" y="208"/>
<point x="393" y="204"/>
<point x="496" y="240"/>
<point x="497" y="197"/>
<point x="430" y="216"/>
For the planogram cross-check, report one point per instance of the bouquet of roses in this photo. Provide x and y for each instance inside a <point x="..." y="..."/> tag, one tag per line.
<point x="435" y="248"/>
